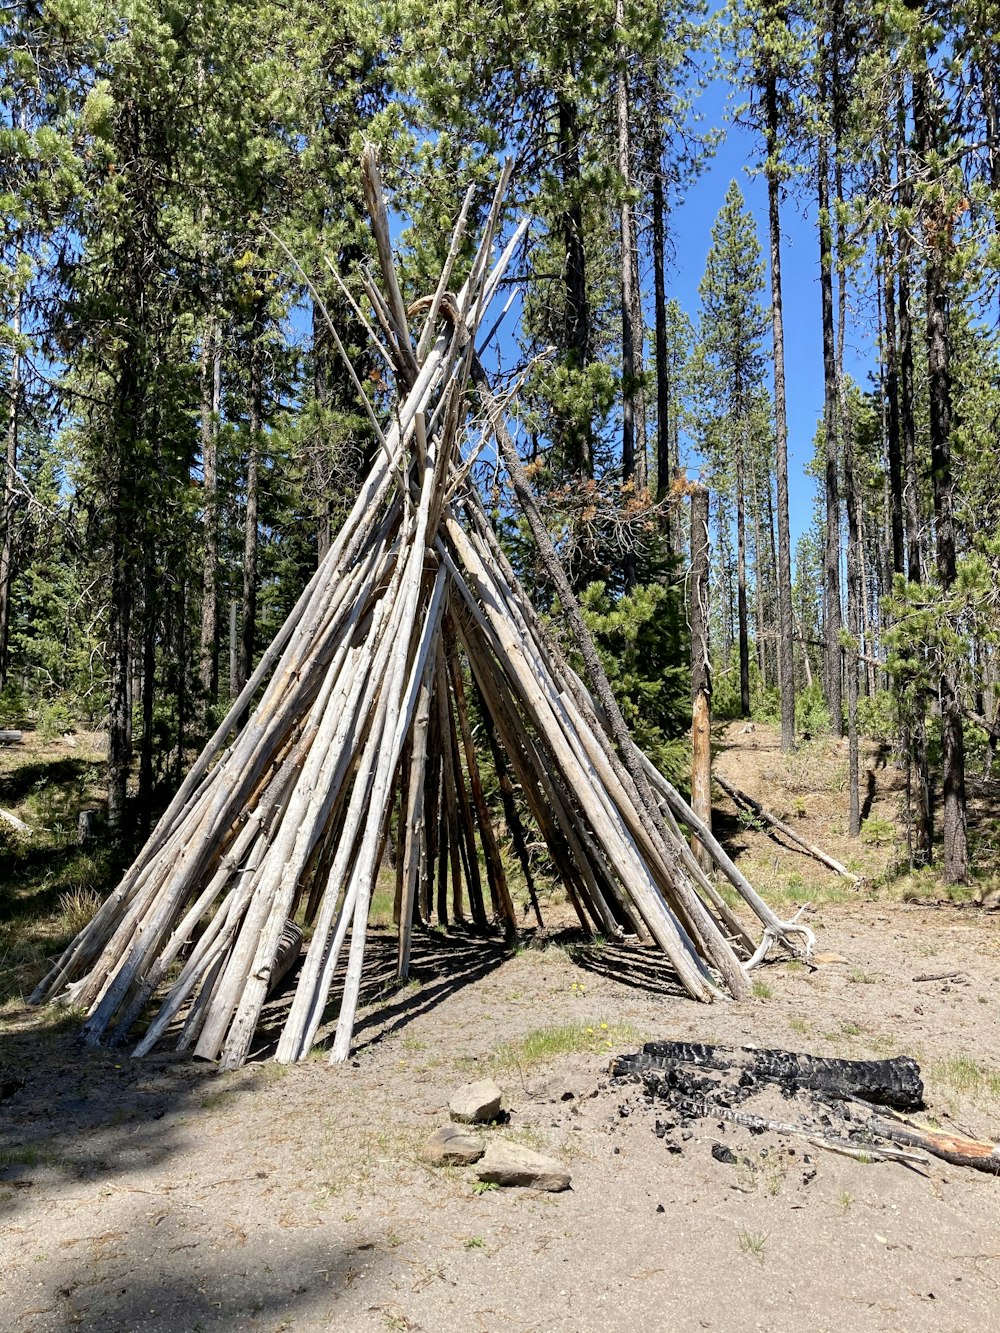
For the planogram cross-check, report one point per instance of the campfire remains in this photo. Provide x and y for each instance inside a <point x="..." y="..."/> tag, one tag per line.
<point x="365" y="727"/>
<point x="853" y="1107"/>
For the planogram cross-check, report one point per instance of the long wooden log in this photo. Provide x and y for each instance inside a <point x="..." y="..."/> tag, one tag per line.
<point x="741" y="798"/>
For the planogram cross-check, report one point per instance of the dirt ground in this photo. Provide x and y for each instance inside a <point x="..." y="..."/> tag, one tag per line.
<point x="159" y="1195"/>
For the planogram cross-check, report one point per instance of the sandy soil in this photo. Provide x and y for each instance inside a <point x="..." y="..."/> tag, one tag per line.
<point x="159" y="1195"/>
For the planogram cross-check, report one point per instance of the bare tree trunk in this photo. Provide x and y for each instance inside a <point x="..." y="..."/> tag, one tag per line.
<point x="701" y="672"/>
<point x="938" y="242"/>
<point x="786" y="628"/>
<point x="9" y="491"/>
<point x="853" y="597"/>
<point x="148" y="687"/>
<point x="234" y="656"/>
<point x="911" y="491"/>
<point x="576" y="446"/>
<point x="664" y="470"/>
<point x="211" y="392"/>
<point x="628" y="294"/>
<point x="249" y="608"/>
<point x="893" y="451"/>
<point x="831" y="554"/>
<point x="741" y="582"/>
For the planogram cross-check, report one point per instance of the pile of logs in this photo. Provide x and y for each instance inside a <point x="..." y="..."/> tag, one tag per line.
<point x="413" y="629"/>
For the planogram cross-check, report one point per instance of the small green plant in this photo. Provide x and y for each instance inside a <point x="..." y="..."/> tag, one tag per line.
<point x="812" y="717"/>
<point x="861" y="978"/>
<point x="845" y="1200"/>
<point x="877" y="832"/>
<point x="54" y="719"/>
<point x="799" y="1024"/>
<point x="484" y="1186"/>
<point x="760" y="990"/>
<point x="475" y="1243"/>
<point x="749" y="821"/>
<point x="753" y="1242"/>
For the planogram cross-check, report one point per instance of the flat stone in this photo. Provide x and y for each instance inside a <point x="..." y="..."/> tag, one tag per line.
<point x="451" y="1146"/>
<point x="506" y="1163"/>
<point x="476" y="1103"/>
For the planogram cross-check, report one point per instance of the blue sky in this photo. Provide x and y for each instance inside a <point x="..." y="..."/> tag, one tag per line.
<point x="692" y="224"/>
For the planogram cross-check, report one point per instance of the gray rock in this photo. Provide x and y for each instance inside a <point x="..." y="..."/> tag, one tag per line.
<point x="476" y="1103"/>
<point x="508" y="1163"/>
<point x="451" y="1146"/>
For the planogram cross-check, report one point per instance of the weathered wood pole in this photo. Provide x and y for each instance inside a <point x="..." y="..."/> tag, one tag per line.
<point x="701" y="672"/>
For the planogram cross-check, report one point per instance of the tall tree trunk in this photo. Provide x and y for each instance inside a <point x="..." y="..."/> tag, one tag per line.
<point x="664" y="470"/>
<point x="907" y="410"/>
<point x="786" y="627"/>
<point x="576" y="445"/>
<point x="701" y="670"/>
<point x="148" y="687"/>
<point x="760" y="579"/>
<point x="211" y="392"/>
<point x="628" y="295"/>
<point x="937" y="245"/>
<point x="831" y="551"/>
<point x="9" y="491"/>
<point x="853" y="625"/>
<point x="250" y="536"/>
<point x="893" y="451"/>
<point x="741" y="581"/>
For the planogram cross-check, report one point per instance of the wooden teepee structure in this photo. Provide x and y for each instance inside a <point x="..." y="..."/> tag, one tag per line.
<point x="362" y="724"/>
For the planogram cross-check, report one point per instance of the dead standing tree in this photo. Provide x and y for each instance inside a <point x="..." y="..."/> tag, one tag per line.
<point x="361" y="725"/>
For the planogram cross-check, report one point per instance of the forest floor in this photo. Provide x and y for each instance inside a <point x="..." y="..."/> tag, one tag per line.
<point x="160" y="1195"/>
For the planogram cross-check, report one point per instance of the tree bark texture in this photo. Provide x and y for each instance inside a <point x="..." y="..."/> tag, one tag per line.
<point x="701" y="671"/>
<point x="938" y="242"/>
<point x="831" y="552"/>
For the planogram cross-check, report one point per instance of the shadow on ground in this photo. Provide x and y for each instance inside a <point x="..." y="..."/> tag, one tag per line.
<point x="71" y="1112"/>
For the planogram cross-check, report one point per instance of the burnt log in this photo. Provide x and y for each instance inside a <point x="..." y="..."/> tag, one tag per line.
<point x="895" y="1083"/>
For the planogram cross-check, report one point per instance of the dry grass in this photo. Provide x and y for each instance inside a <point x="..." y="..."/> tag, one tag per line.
<point x="550" y="1043"/>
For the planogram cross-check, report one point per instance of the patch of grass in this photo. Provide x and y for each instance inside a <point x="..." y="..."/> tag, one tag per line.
<point x="845" y="1200"/>
<point x="752" y="1243"/>
<point x="218" y="1101"/>
<point x="77" y="908"/>
<point x="484" y="1186"/>
<point x="383" y="901"/>
<point x="965" y="1075"/>
<point x="760" y="990"/>
<point x="861" y="978"/>
<point x="799" y="1024"/>
<point x="18" y="1157"/>
<point x="548" y="1043"/>
<point x="475" y="1243"/>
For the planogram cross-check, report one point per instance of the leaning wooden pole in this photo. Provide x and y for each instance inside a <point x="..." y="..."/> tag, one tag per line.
<point x="701" y="671"/>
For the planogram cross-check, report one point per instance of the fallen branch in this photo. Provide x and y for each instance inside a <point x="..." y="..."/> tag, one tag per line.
<point x="980" y="1154"/>
<point x="741" y="798"/>
<point x="16" y="823"/>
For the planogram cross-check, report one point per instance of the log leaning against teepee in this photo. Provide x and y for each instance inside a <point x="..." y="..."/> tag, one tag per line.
<point x="362" y="724"/>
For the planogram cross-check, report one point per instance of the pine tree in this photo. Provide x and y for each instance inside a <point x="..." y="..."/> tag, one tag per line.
<point x="732" y="327"/>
